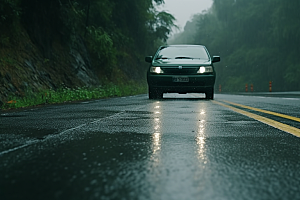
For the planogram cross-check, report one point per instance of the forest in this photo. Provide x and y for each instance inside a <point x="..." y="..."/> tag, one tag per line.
<point x="258" y="42"/>
<point x="111" y="28"/>
<point x="104" y="40"/>
<point x="51" y="45"/>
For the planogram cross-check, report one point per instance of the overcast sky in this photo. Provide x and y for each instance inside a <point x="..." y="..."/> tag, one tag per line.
<point x="182" y="10"/>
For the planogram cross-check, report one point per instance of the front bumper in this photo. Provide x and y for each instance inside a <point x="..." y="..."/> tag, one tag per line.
<point x="196" y="83"/>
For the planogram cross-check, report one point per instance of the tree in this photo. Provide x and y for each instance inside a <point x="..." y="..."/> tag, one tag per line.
<point x="255" y="47"/>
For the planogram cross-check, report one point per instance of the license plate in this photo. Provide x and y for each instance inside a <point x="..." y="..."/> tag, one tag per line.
<point x="180" y="79"/>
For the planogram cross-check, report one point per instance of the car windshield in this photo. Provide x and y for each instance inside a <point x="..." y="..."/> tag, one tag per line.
<point x="185" y="52"/>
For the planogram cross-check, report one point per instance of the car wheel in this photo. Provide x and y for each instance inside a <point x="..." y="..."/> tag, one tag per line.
<point x="159" y="94"/>
<point x="154" y="93"/>
<point x="210" y="94"/>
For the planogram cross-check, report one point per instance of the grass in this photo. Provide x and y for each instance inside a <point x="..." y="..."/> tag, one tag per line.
<point x="65" y="94"/>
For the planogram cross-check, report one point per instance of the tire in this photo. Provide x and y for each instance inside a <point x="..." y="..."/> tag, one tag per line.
<point x="154" y="93"/>
<point x="151" y="93"/>
<point x="159" y="95"/>
<point x="210" y="94"/>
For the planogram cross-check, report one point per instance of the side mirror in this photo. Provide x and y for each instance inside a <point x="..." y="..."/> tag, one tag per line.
<point x="216" y="59"/>
<point x="148" y="59"/>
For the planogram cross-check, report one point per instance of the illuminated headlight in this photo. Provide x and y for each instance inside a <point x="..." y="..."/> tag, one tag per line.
<point x="156" y="70"/>
<point x="206" y="69"/>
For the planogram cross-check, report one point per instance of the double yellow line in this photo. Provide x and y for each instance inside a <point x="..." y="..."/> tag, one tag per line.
<point x="276" y="124"/>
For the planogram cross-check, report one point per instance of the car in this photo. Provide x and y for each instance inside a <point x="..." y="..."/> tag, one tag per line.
<point x="181" y="69"/>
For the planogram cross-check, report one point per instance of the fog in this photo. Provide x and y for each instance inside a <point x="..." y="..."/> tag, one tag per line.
<point x="184" y="10"/>
<point x="256" y="49"/>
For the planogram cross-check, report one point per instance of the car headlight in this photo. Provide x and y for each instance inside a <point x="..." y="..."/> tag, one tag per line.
<point x="156" y="70"/>
<point x="205" y="69"/>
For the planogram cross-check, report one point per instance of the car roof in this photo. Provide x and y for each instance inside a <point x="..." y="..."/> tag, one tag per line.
<point x="184" y="45"/>
<point x="181" y="45"/>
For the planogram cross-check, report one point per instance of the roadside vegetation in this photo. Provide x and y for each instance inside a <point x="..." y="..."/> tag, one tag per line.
<point x="82" y="44"/>
<point x="258" y="42"/>
<point x="64" y="94"/>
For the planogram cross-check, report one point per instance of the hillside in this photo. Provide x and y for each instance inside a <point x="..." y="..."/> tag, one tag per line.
<point x="258" y="42"/>
<point x="24" y="68"/>
<point x="73" y="43"/>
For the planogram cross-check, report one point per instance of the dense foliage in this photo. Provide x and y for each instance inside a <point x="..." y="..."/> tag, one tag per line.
<point x="118" y="33"/>
<point x="258" y="42"/>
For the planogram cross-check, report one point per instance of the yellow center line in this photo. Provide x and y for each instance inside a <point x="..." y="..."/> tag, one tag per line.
<point x="284" y="127"/>
<point x="264" y="111"/>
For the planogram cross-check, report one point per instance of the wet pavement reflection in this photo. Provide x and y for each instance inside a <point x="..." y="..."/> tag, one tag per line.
<point x="181" y="147"/>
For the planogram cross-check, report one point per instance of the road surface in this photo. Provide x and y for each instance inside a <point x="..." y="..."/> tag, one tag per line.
<point x="180" y="147"/>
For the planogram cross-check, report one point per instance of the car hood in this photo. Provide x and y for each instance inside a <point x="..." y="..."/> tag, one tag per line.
<point x="182" y="62"/>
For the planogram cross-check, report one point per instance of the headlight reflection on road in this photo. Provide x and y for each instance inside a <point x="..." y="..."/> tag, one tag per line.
<point x="156" y="142"/>
<point x="201" y="136"/>
<point x="156" y="137"/>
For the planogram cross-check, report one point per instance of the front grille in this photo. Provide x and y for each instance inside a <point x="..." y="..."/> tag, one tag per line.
<point x="177" y="70"/>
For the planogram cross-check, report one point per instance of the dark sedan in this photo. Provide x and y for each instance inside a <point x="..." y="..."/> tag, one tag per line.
<point x="181" y="69"/>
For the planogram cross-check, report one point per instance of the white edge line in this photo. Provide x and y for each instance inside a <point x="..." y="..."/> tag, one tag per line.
<point x="31" y="142"/>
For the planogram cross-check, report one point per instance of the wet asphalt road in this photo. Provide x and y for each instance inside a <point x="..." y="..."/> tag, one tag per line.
<point x="181" y="147"/>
